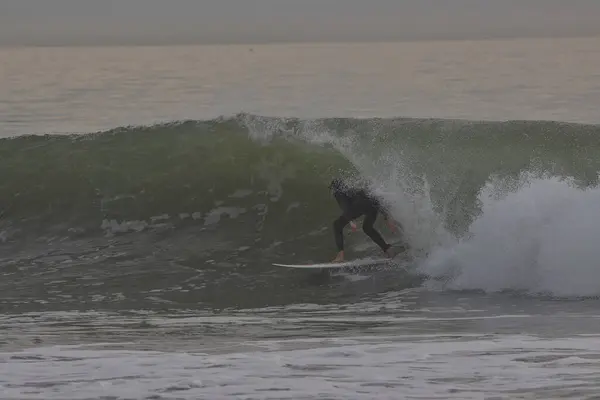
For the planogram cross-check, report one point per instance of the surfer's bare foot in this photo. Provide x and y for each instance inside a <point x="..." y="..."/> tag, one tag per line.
<point x="339" y="258"/>
<point x="390" y="253"/>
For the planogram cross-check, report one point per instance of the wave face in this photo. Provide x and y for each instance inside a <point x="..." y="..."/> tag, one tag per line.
<point x="487" y="200"/>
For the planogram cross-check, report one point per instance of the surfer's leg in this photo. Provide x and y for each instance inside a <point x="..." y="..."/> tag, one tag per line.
<point x="338" y="231"/>
<point x="370" y="230"/>
<point x="339" y="224"/>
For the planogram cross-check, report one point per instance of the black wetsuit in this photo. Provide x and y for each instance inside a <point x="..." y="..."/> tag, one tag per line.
<point x="354" y="203"/>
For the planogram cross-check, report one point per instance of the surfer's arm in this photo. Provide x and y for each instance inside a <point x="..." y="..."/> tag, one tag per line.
<point x="344" y="203"/>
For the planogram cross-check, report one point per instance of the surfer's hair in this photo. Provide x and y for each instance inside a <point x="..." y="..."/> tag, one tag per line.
<point x="337" y="184"/>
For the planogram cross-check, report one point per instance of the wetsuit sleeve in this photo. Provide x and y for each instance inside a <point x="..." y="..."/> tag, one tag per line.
<point x="374" y="200"/>
<point x="344" y="202"/>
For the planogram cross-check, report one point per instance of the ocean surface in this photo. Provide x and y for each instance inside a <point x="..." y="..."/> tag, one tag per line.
<point x="146" y="191"/>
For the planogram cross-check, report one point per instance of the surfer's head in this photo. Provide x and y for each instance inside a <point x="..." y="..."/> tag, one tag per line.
<point x="337" y="185"/>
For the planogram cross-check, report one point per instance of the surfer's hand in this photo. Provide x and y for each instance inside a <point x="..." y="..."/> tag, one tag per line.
<point x="391" y="224"/>
<point x="353" y="226"/>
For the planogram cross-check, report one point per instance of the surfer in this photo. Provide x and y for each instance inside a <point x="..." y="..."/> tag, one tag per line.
<point x="354" y="203"/>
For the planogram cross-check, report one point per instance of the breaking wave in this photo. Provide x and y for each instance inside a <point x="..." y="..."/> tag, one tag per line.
<point x="500" y="204"/>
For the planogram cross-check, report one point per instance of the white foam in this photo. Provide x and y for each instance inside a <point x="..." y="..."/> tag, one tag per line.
<point x="543" y="238"/>
<point x="467" y="367"/>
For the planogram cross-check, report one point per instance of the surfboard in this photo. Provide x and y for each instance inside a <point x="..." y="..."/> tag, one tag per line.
<point x="361" y="262"/>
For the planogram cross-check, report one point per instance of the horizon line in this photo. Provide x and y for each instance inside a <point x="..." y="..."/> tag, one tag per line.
<point x="195" y="42"/>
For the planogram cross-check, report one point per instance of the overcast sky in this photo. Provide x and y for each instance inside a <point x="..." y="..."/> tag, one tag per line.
<point x="252" y="21"/>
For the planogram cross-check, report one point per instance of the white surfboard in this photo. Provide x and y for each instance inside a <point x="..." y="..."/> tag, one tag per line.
<point x="354" y="263"/>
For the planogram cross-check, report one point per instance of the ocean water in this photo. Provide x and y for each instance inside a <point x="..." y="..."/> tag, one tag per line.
<point x="146" y="191"/>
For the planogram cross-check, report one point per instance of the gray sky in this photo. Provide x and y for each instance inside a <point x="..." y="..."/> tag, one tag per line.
<point x="250" y="21"/>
